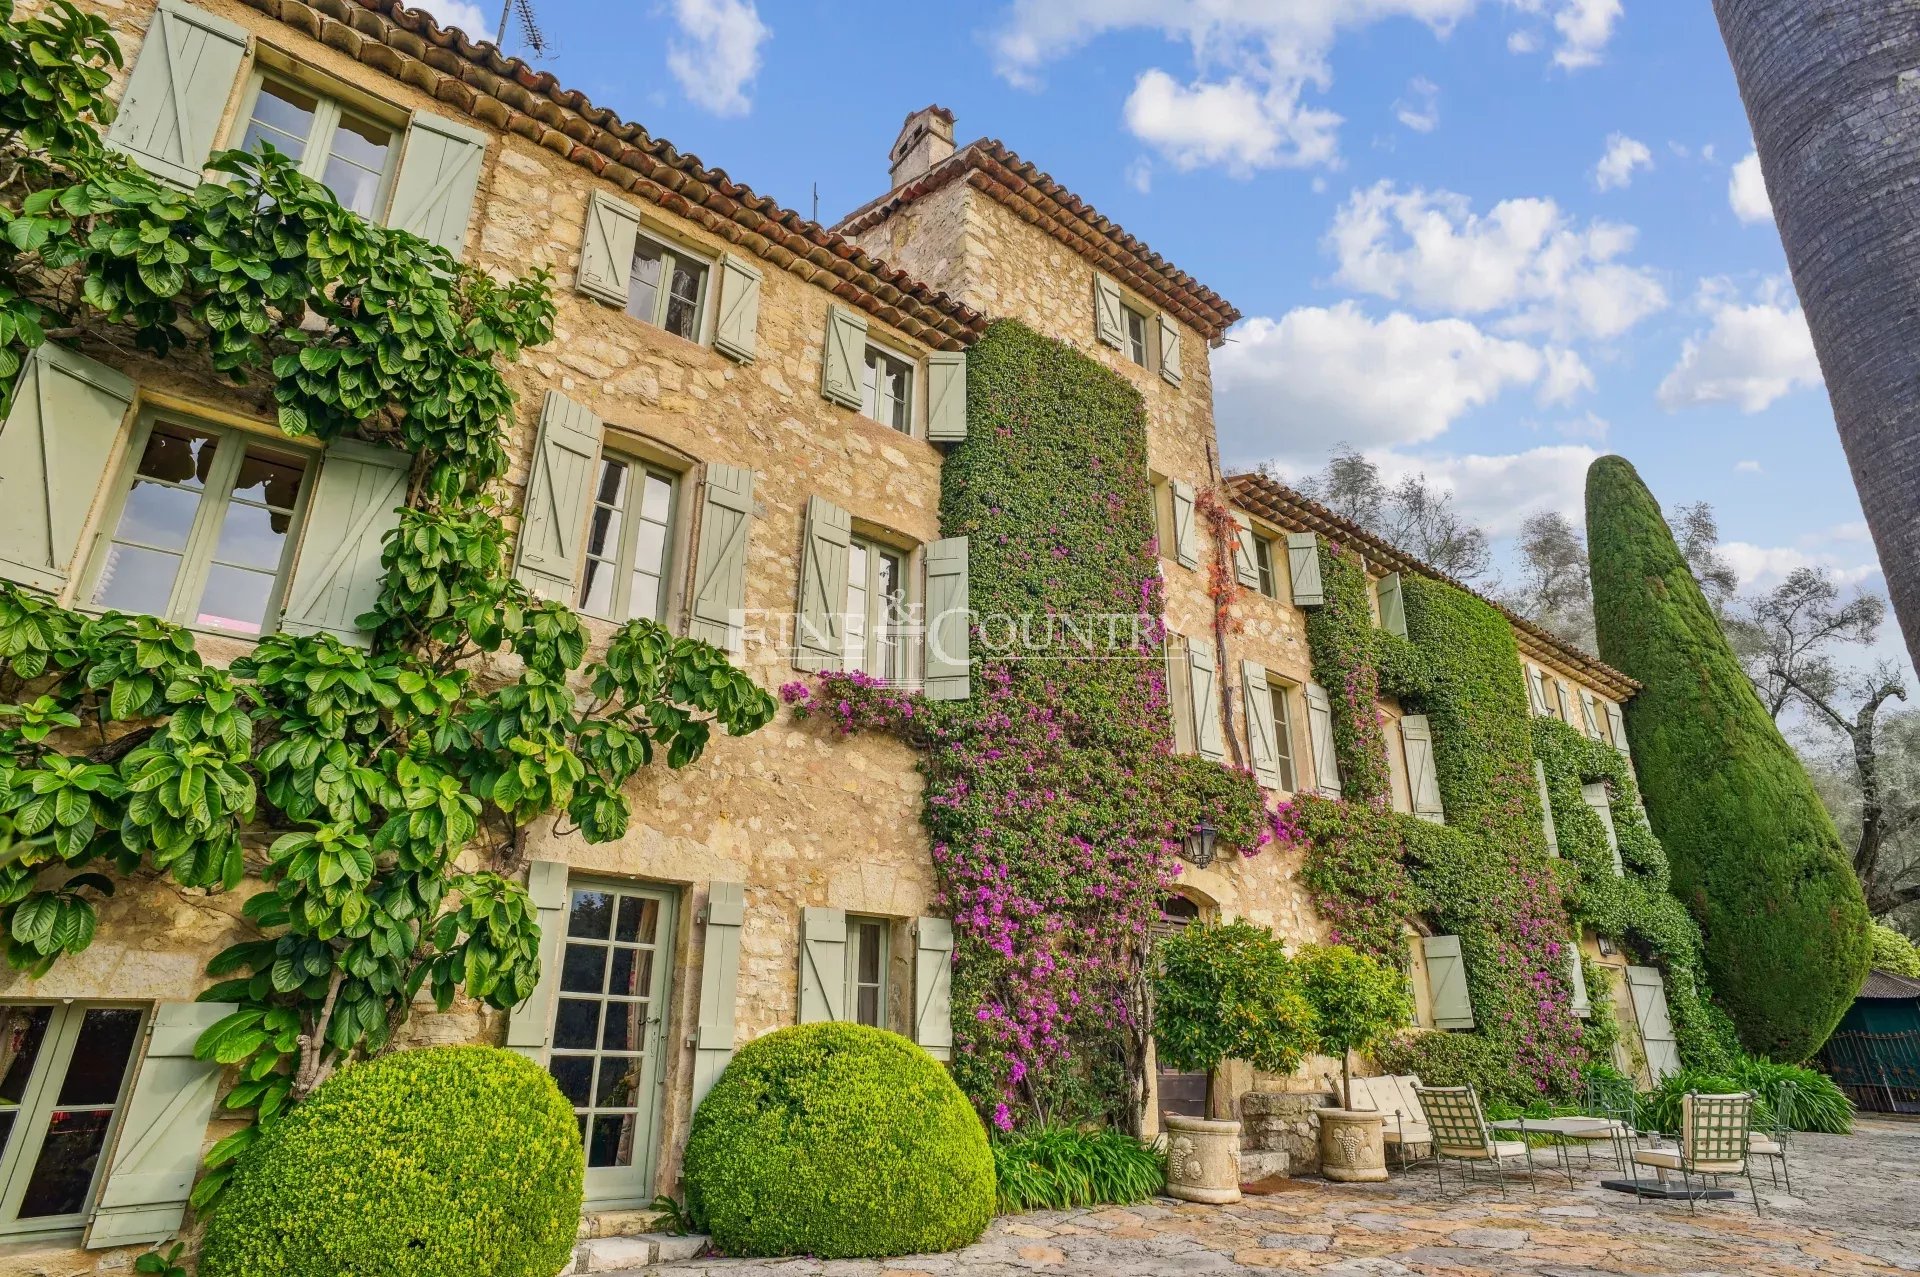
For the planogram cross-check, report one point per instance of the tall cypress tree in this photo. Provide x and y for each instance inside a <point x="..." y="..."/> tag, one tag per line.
<point x="1755" y="855"/>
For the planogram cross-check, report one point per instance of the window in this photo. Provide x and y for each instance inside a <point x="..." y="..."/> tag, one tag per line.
<point x="610" y="1020"/>
<point x="201" y="536"/>
<point x="667" y="288"/>
<point x="1283" y="736"/>
<point x="1163" y="531"/>
<point x="867" y="971"/>
<point x="1180" y="694"/>
<point x="348" y="152"/>
<point x="1263" y="560"/>
<point x="886" y="392"/>
<point x="63" y="1077"/>
<point x="1134" y="335"/>
<point x="1566" y="702"/>
<point x="629" y="541"/>
<point x="876" y="604"/>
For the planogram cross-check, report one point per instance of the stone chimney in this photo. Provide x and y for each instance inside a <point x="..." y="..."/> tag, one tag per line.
<point x="925" y="139"/>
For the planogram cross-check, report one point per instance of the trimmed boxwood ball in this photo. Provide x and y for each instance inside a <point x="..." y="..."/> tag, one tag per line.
<point x="441" y="1162"/>
<point x="839" y="1141"/>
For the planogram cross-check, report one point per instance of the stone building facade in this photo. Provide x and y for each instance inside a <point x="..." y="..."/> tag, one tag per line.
<point x="737" y="428"/>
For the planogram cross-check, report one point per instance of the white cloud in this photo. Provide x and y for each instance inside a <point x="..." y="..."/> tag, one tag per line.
<point x="1140" y="175"/>
<point x="1566" y="376"/>
<point x="1525" y="260"/>
<point x="1746" y="467"/>
<point x="717" y="53"/>
<point x="1752" y="352"/>
<point x="1763" y="566"/>
<point x="1498" y="492"/>
<point x="1747" y="191"/>
<point x="1582" y="27"/>
<point x="1624" y="155"/>
<point x="458" y="13"/>
<point x="1523" y="42"/>
<point x="1288" y="387"/>
<point x="1419" y="110"/>
<point x="1232" y="123"/>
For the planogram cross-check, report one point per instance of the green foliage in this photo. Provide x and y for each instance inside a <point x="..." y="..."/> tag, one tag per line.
<point x="1228" y="991"/>
<point x="1341" y="636"/>
<point x="1066" y="1167"/>
<point x="1802" y="1098"/>
<point x="1356" y="1000"/>
<point x="838" y="1141"/>
<point x="162" y="1261"/>
<point x="1453" y="1059"/>
<point x="441" y="1162"/>
<point x="1356" y="868"/>
<point x="1755" y="855"/>
<point x="1893" y="952"/>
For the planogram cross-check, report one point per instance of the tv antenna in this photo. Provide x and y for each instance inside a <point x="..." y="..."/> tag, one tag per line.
<point x="536" y="39"/>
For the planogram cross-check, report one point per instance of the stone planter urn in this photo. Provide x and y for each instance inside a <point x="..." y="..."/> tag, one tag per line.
<point x="1203" y="1159"/>
<point x="1352" y="1147"/>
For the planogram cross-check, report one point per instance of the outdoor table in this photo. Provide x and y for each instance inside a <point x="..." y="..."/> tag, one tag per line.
<point x="1566" y="1128"/>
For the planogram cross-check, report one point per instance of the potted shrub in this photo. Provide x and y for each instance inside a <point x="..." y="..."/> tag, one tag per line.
<point x="1357" y="1002"/>
<point x="1223" y="992"/>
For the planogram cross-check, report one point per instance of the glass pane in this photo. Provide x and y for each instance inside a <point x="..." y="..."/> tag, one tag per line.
<point x="63" y="1173"/>
<point x="643" y="284"/>
<point x="657" y="499"/>
<point x="872" y="944"/>
<point x="100" y="1056"/>
<point x="639" y="918"/>
<point x="584" y="969"/>
<point x="591" y="916"/>
<point x="870" y="385"/>
<point x="619" y="1082"/>
<point x="573" y="1074"/>
<point x="683" y="301"/>
<point x="178" y="455"/>
<point x="158" y="515"/>
<point x="596" y="587"/>
<point x="866" y="1008"/>
<point x="603" y="532"/>
<point x="643" y="597"/>
<point x="624" y="1027"/>
<point x="650" y="547"/>
<point x="236" y="599"/>
<point x="357" y="189"/>
<point x="612" y="1141"/>
<point x="282" y="116"/>
<point x="575" y="1028"/>
<point x="22" y="1031"/>
<point x="251" y="536"/>
<point x="136" y="580"/>
<point x="632" y="973"/>
<point x="269" y="477"/>
<point x="613" y="483"/>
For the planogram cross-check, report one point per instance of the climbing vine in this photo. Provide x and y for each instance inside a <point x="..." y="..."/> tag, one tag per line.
<point x="1342" y="639"/>
<point x="382" y="794"/>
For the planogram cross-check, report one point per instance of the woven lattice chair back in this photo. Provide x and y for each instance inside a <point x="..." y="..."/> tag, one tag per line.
<point x="1453" y="1115"/>
<point x="1713" y="1131"/>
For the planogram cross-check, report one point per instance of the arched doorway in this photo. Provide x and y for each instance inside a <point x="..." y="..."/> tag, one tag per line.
<point x="1184" y="1094"/>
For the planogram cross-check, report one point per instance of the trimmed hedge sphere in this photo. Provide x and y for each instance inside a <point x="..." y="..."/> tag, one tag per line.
<point x="839" y="1141"/>
<point x="442" y="1162"/>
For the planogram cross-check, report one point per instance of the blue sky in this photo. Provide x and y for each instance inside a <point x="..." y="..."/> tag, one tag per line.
<point x="1483" y="239"/>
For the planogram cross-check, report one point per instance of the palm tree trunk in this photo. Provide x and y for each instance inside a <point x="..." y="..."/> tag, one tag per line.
<point x="1832" y="90"/>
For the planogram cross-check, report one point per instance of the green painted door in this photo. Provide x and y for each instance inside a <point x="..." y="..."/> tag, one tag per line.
<point x="609" y="1031"/>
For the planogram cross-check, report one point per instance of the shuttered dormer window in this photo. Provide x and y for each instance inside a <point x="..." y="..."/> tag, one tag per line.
<point x="667" y="287"/>
<point x="1134" y="335"/>
<point x="886" y="389"/>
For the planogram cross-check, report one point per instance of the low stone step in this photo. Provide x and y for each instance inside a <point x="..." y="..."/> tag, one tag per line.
<point x="630" y="1254"/>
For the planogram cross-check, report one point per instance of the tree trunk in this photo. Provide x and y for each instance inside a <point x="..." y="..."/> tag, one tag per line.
<point x="1832" y="90"/>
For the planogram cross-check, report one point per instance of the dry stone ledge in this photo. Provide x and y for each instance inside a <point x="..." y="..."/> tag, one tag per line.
<point x="1283" y="1122"/>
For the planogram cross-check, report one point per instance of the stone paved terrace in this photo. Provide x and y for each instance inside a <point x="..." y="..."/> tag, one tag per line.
<point x="1858" y="1212"/>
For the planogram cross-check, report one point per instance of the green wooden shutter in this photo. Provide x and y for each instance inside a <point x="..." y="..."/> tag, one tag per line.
<point x="1326" y="764"/>
<point x="530" y="1025"/>
<point x="1617" y="728"/>
<point x="843" y="362"/>
<point x="66" y="416"/>
<point x="720" y="562"/>
<point x="1263" y="734"/>
<point x="1649" y="992"/>
<point x="719" y="986"/>
<point x="1582" y="1005"/>
<point x="355" y="502"/>
<point x="1179" y="693"/>
<point x="170" y="114"/>
<point x="439" y="173"/>
<point x="1565" y="700"/>
<point x="820" y="639"/>
<point x="1169" y="350"/>
<point x="823" y="964"/>
<point x="1536" y="690"/>
<point x="949" y="660"/>
<point x="1546" y="808"/>
<point x="1246" y="563"/>
<point x="1109" y="314"/>
<point x="1206" y="703"/>
<point x="1447" y="979"/>
<point x="1393" y="605"/>
<point x="1423" y="783"/>
<point x="932" y="986"/>
<point x="947" y="396"/>
<point x="553" y="519"/>
<point x="1597" y="798"/>
<point x="1186" y="543"/>
<point x="737" y="332"/>
<point x="606" y="249"/>
<point x="143" y="1198"/>
<point x="1303" y="563"/>
<point x="1589" y="721"/>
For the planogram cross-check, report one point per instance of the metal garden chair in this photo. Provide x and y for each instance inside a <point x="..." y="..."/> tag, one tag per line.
<point x="1461" y="1134"/>
<point x="1769" y="1140"/>
<point x="1713" y="1141"/>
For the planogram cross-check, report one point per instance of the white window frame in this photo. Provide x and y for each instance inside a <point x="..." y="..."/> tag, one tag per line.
<point x="1129" y="316"/>
<point x="1282" y="695"/>
<point x="41" y="1100"/>
<point x="873" y="621"/>
<point x="639" y="467"/>
<point x="863" y="929"/>
<point x="1267" y="564"/>
<point x="671" y="250"/>
<point x="911" y="401"/>
<point x="332" y="102"/>
<point x="196" y="555"/>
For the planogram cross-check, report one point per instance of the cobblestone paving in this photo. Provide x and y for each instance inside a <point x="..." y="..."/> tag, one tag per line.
<point x="1857" y="1211"/>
